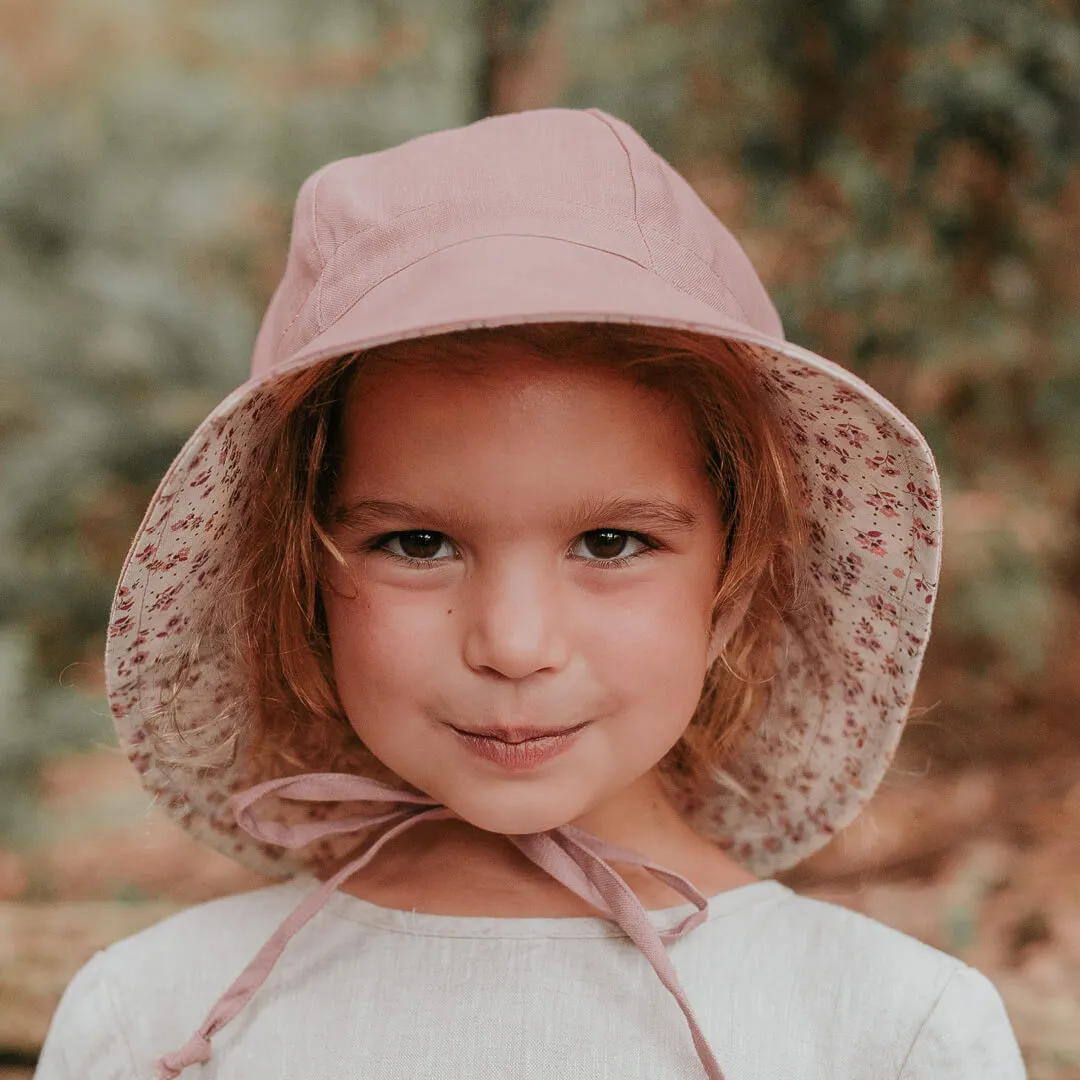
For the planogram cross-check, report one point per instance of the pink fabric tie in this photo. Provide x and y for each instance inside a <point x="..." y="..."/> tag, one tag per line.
<point x="571" y="856"/>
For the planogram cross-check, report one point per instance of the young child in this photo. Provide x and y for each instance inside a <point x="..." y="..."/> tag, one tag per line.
<point x="531" y="604"/>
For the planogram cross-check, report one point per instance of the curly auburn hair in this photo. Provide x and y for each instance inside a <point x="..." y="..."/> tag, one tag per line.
<point x="270" y="617"/>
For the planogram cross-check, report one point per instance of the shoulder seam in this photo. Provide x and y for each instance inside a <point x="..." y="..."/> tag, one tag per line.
<point x="926" y="1019"/>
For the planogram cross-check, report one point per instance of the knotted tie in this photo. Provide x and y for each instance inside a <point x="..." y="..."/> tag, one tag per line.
<point x="571" y="856"/>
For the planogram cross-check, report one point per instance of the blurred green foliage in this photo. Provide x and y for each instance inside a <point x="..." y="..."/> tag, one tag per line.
<point x="903" y="174"/>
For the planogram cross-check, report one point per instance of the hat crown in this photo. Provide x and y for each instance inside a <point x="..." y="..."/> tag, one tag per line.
<point x="581" y="176"/>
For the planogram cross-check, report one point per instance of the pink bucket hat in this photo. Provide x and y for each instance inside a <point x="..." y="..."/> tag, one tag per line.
<point x="560" y="215"/>
<point x="552" y="215"/>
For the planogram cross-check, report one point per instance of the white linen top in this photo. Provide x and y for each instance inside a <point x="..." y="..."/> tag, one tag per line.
<point x="784" y="986"/>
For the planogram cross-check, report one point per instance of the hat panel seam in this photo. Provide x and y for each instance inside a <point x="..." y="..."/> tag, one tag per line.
<point x="739" y="312"/>
<point x="318" y="288"/>
<point x="633" y="181"/>
<point x="475" y="239"/>
<point x="706" y="265"/>
<point x="643" y="228"/>
<point x="315" y="220"/>
<point x="316" y="285"/>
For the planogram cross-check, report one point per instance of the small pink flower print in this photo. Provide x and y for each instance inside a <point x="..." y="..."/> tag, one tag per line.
<point x="836" y="499"/>
<point x="852" y="660"/>
<point x="796" y="431"/>
<point x="784" y="383"/>
<point x="898" y="573"/>
<point x="846" y="571"/>
<point x="832" y="472"/>
<point x="889" y="666"/>
<point x="852" y="689"/>
<point x="883" y="463"/>
<point x="147" y="552"/>
<point x="873" y="541"/>
<point x="852" y="769"/>
<point x="844" y="395"/>
<point x="925" y="497"/>
<point x="200" y="479"/>
<point x="852" y="434"/>
<point x="140" y="759"/>
<point x="882" y="608"/>
<point x="825" y="612"/>
<point x="921" y="531"/>
<point x="865" y="636"/>
<point x="121" y="626"/>
<point x="884" y="502"/>
<point x="167" y="597"/>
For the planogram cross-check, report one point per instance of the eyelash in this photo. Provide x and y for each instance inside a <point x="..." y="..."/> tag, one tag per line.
<point x="377" y="543"/>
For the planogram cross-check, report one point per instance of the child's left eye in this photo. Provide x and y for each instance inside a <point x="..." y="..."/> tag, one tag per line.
<point x="607" y="546"/>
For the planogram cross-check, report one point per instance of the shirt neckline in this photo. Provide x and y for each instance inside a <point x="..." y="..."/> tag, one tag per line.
<point x="423" y="924"/>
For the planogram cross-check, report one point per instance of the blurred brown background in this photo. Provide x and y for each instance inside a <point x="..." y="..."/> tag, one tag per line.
<point x="903" y="173"/>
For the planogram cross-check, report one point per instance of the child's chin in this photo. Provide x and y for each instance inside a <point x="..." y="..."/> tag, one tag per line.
<point x="516" y="820"/>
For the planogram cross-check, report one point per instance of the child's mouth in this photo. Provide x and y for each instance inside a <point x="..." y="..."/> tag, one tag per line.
<point x="523" y="754"/>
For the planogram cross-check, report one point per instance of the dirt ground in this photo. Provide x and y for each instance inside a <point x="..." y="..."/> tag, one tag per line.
<point x="981" y="861"/>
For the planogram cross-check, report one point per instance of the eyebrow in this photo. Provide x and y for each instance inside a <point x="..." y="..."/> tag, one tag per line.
<point x="657" y="513"/>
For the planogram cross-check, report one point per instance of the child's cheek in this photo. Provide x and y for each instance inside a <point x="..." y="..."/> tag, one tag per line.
<point x="386" y="645"/>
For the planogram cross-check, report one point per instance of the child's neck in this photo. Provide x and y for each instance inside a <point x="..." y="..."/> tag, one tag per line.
<point x="450" y="867"/>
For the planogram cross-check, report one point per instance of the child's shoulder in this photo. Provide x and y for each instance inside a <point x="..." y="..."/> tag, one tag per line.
<point x="152" y="989"/>
<point x="874" y="968"/>
<point x="834" y="936"/>
<point x="229" y="929"/>
<point x="869" y="995"/>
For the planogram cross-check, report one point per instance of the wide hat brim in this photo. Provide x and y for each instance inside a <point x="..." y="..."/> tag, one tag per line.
<point x="840" y="705"/>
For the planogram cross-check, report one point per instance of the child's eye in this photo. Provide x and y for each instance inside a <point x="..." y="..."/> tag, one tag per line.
<point x="606" y="546"/>
<point x="418" y="546"/>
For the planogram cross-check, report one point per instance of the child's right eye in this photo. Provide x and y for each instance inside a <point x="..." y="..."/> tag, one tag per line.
<point x="417" y="547"/>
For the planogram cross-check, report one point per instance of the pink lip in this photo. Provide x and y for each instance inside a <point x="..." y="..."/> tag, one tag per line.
<point x="521" y="755"/>
<point x="518" y="734"/>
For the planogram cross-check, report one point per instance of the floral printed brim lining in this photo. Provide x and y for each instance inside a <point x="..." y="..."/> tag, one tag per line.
<point x="849" y="668"/>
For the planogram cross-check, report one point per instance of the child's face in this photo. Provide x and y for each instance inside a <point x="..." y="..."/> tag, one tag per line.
<point x="515" y="613"/>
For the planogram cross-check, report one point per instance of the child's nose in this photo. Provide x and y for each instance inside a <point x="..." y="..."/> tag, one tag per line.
<point x="515" y="621"/>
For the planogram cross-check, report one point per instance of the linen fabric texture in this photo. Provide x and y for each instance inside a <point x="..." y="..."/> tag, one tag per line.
<point x="785" y="987"/>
